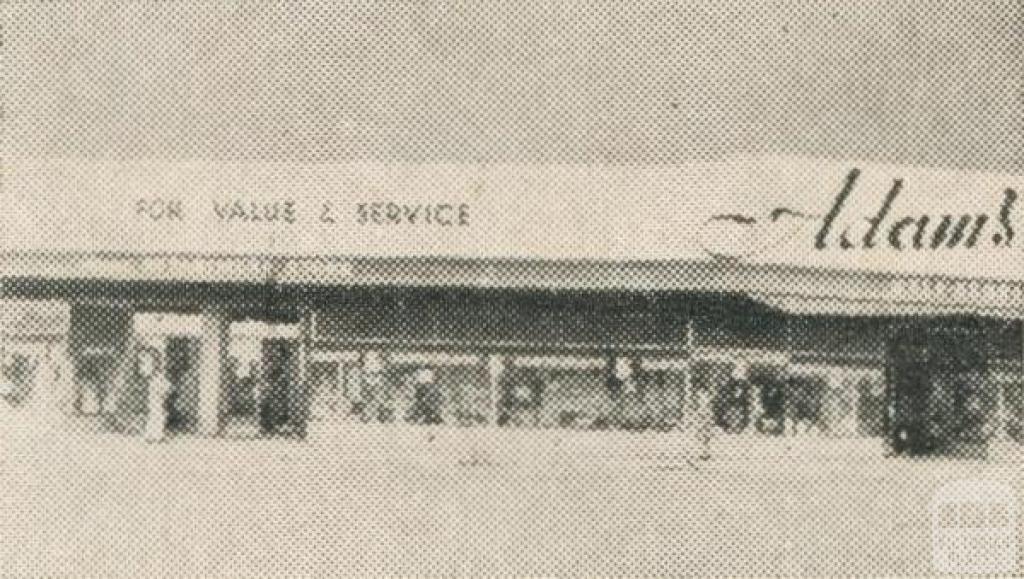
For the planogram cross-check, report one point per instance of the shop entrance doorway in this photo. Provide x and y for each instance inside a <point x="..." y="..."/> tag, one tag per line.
<point x="937" y="396"/>
<point x="265" y="391"/>
<point x="278" y="404"/>
<point x="177" y="337"/>
<point x="182" y="404"/>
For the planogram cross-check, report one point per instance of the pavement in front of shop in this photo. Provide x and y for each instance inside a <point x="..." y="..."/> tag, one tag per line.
<point x="366" y="499"/>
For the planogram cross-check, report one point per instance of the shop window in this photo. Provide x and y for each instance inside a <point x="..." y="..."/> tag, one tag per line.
<point x="469" y="389"/>
<point x="351" y="403"/>
<point x="17" y="377"/>
<point x="730" y="393"/>
<point x="95" y="373"/>
<point x="961" y="407"/>
<point x="1014" y="411"/>
<point x="769" y="391"/>
<point x="335" y="384"/>
<point x="523" y="392"/>
<point x="243" y="389"/>
<point x="646" y="393"/>
<point x="834" y="401"/>
<point x="665" y="391"/>
<point x="942" y="396"/>
<point x="555" y="391"/>
<point x="871" y="406"/>
<point x="575" y="398"/>
<point x="805" y="403"/>
<point x="325" y="388"/>
<point x="418" y="388"/>
<point x="838" y="407"/>
<point x="1010" y="385"/>
<point x="455" y="394"/>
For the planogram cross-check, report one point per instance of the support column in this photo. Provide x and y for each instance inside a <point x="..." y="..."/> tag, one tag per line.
<point x="62" y="380"/>
<point x="1002" y="419"/>
<point x="687" y="399"/>
<point x="495" y="368"/>
<point x="212" y="368"/>
<point x="1004" y="399"/>
<point x="302" y="394"/>
<point x="854" y="418"/>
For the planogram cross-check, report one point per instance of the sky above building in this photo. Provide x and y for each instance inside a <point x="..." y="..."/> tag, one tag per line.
<point x="929" y="82"/>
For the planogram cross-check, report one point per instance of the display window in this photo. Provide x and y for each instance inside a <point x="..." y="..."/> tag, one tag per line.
<point x="593" y="392"/>
<point x="19" y="369"/>
<point x="554" y="391"/>
<point x="438" y="388"/>
<point x="407" y="386"/>
<point x="96" y="372"/>
<point x="769" y="397"/>
<point x="871" y="406"/>
<point x="835" y="401"/>
<point x="730" y="392"/>
<point x="1009" y="385"/>
<point x="665" y="393"/>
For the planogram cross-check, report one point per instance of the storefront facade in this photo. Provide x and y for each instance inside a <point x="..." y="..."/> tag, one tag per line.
<point x="615" y="325"/>
<point x="500" y="358"/>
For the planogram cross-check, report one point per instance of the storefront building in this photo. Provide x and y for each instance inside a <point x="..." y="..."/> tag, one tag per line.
<point x="578" y="300"/>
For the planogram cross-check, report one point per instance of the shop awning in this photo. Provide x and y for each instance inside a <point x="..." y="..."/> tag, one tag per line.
<point x="804" y="291"/>
<point x="826" y="306"/>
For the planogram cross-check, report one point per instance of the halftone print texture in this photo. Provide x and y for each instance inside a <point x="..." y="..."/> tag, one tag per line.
<point x="568" y="288"/>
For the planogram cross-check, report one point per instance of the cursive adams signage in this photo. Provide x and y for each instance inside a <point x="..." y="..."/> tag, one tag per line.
<point x="924" y="231"/>
<point x="886" y="227"/>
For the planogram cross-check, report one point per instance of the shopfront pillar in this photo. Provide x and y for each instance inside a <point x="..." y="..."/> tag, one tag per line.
<point x="301" y="398"/>
<point x="212" y="368"/>
<point x="495" y="368"/>
<point x="61" y="378"/>
<point x="1000" y="434"/>
<point x="1004" y="406"/>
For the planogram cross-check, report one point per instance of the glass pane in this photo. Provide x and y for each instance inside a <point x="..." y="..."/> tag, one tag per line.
<point x="871" y="407"/>
<point x="420" y="388"/>
<point x="665" y="397"/>
<point x="1010" y="384"/>
<point x="1014" y="397"/>
<point x="324" y="389"/>
<point x="805" y="404"/>
<point x="769" y="398"/>
<point x="730" y="395"/>
<point x="556" y="391"/>
<point x="17" y="377"/>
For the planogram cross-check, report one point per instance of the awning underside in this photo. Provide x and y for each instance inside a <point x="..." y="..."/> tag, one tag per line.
<point x="793" y="290"/>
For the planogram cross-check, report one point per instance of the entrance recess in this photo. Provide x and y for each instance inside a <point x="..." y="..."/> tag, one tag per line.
<point x="182" y="355"/>
<point x="938" y="389"/>
<point x="265" y="392"/>
<point x="179" y="339"/>
<point x="282" y="405"/>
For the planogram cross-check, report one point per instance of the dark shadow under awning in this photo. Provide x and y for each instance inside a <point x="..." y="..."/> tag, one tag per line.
<point x="827" y="306"/>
